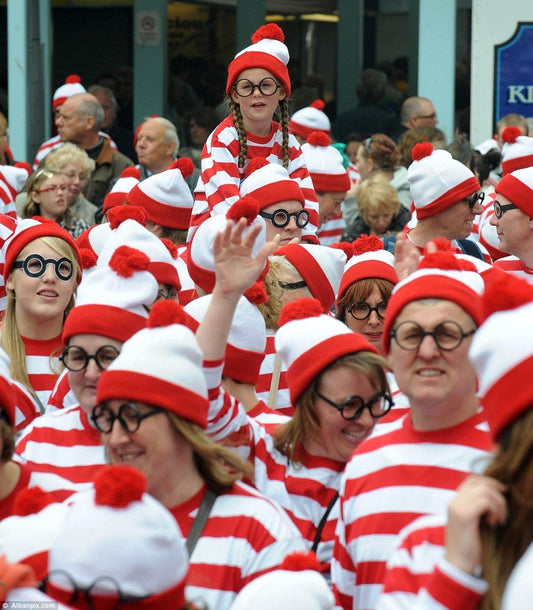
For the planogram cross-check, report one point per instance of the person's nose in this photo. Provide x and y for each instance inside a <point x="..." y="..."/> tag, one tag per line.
<point x="494" y="220"/>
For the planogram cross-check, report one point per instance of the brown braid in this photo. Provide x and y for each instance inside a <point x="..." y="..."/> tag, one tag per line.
<point x="241" y="132"/>
<point x="284" y="106"/>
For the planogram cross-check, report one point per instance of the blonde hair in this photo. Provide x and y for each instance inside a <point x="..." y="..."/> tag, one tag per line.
<point x="219" y="466"/>
<point x="34" y="183"/>
<point x="289" y="438"/>
<point x="10" y="338"/>
<point x="69" y="153"/>
<point x="376" y="194"/>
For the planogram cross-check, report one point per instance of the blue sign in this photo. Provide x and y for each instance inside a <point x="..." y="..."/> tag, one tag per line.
<point x="513" y="74"/>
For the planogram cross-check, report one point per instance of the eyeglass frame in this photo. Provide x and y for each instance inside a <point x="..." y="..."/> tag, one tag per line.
<point x="369" y="308"/>
<point x="431" y="333"/>
<point x="499" y="209"/>
<point x="45" y="262"/>
<point x="365" y="405"/>
<point x="114" y="416"/>
<point x="292" y="285"/>
<point x="270" y="216"/>
<point x="432" y="116"/>
<point x="55" y="187"/>
<point x="256" y="86"/>
<point x="88" y="357"/>
<point x="475" y="198"/>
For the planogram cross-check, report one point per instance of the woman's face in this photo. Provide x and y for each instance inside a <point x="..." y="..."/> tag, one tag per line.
<point x="42" y="298"/>
<point x="379" y="220"/>
<point x="338" y="437"/>
<point x="75" y="178"/>
<point x="51" y="196"/>
<point x="198" y="134"/>
<point x="351" y="151"/>
<point x="364" y="165"/>
<point x="372" y="327"/>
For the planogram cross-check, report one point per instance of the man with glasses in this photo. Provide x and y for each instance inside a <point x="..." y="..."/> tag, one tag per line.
<point x="414" y="468"/>
<point x="513" y="219"/>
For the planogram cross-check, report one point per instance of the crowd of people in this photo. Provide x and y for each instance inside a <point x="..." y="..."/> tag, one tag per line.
<point x="282" y="364"/>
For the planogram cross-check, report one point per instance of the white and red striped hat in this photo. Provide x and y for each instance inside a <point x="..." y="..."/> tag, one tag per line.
<point x="72" y="86"/>
<point x="517" y="150"/>
<point x="441" y="275"/>
<point x="12" y="179"/>
<point x="160" y="365"/>
<point x="518" y="188"/>
<point x="129" y="177"/>
<point x="370" y="260"/>
<point x="268" y="51"/>
<point x="309" y="340"/>
<point x="321" y="267"/>
<point x="113" y="300"/>
<point x="118" y="531"/>
<point x="166" y="196"/>
<point x="312" y="118"/>
<point x="7" y="391"/>
<point x="502" y="351"/>
<point x="437" y="180"/>
<point x="245" y="350"/>
<point x="269" y="183"/>
<point x="325" y="164"/>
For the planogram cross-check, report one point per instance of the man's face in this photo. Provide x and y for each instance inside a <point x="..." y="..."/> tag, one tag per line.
<point x="152" y="150"/>
<point x="514" y="230"/>
<point x="427" y="117"/>
<point x="329" y="205"/>
<point x="70" y="126"/>
<point x="457" y="220"/>
<point x="109" y="110"/>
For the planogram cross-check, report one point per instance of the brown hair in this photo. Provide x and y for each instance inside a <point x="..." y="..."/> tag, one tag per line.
<point x="413" y="136"/>
<point x="382" y="150"/>
<point x="290" y="437"/>
<point x="360" y="291"/>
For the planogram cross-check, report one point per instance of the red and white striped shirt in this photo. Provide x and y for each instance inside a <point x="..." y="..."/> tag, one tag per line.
<point x="42" y="357"/>
<point x="330" y="231"/>
<point x="514" y="265"/>
<point x="49" y="145"/>
<point x="26" y="479"/>
<point x="245" y="535"/>
<point x="390" y="480"/>
<point x="64" y="450"/>
<point x="7" y="226"/>
<point x="262" y="387"/>
<point x="62" y="396"/>
<point x="219" y="181"/>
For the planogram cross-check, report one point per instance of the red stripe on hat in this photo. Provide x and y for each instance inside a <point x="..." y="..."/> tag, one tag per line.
<point x="204" y="278"/>
<point x="173" y="216"/>
<point x="106" y="320"/>
<point x="242" y="365"/>
<point x="303" y="131"/>
<point x="258" y="59"/>
<point x="131" y="385"/>
<point x="331" y="183"/>
<point x="284" y="190"/>
<point x="449" y="198"/>
<point x="517" y="192"/>
<point x="165" y="273"/>
<point x="364" y="270"/>
<point x="517" y="163"/>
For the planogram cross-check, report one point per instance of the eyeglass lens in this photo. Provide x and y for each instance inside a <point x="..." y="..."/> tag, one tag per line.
<point x="447" y="335"/>
<point x="281" y="218"/>
<point x="361" y="310"/>
<point x="35" y="265"/>
<point x="76" y="358"/>
<point x="267" y="86"/>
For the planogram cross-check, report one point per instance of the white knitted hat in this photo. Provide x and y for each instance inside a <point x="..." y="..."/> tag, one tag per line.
<point x="306" y="120"/>
<point x="246" y="345"/>
<point x="72" y="86"/>
<point x="325" y="164"/>
<point x="517" y="151"/>
<point x="518" y="188"/>
<point x="321" y="267"/>
<point x="437" y="180"/>
<point x="129" y="177"/>
<point x="160" y="365"/>
<point x="12" y="181"/>
<point x="120" y="532"/>
<point x="114" y="299"/>
<point x="269" y="183"/>
<point x="309" y="340"/>
<point x="166" y="196"/>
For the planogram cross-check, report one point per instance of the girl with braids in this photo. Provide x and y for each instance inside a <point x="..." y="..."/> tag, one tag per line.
<point x="258" y="86"/>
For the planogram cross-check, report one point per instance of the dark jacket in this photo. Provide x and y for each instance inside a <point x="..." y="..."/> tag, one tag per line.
<point x="359" y="226"/>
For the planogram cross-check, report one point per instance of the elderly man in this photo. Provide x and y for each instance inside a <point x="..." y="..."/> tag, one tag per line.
<point x="79" y="121"/>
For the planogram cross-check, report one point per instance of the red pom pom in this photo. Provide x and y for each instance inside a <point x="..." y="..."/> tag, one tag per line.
<point x="256" y="294"/>
<point x="270" y="30"/>
<point x="118" y="486"/>
<point x="126" y="261"/>
<point x="504" y="291"/>
<point x="318" y="138"/>
<point x="117" y="215"/>
<point x="300" y="309"/>
<point x="509" y="134"/>
<point x="184" y="164"/>
<point x="171" y="247"/>
<point x="23" y="165"/>
<point x="421" y="150"/>
<point x="88" y="258"/>
<point x="254" y="164"/>
<point x="366" y="243"/>
<point x="165" y="313"/>
<point x="31" y="500"/>
<point x="298" y="561"/>
<point x="318" y="104"/>
<point x="72" y="78"/>
<point x="131" y="172"/>
<point x="442" y="244"/>
<point x="346" y="247"/>
<point x="445" y="260"/>
<point x="247" y="207"/>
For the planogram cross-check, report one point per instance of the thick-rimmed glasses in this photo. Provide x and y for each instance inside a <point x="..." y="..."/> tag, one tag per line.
<point x="447" y="335"/>
<point x="361" y="310"/>
<point x="500" y="209"/>
<point x="76" y="358"/>
<point x="62" y="587"/>
<point x="267" y="86"/>
<point x="34" y="265"/>
<point x="128" y="415"/>
<point x="352" y="407"/>
<point x="281" y="218"/>
<point x="476" y="198"/>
